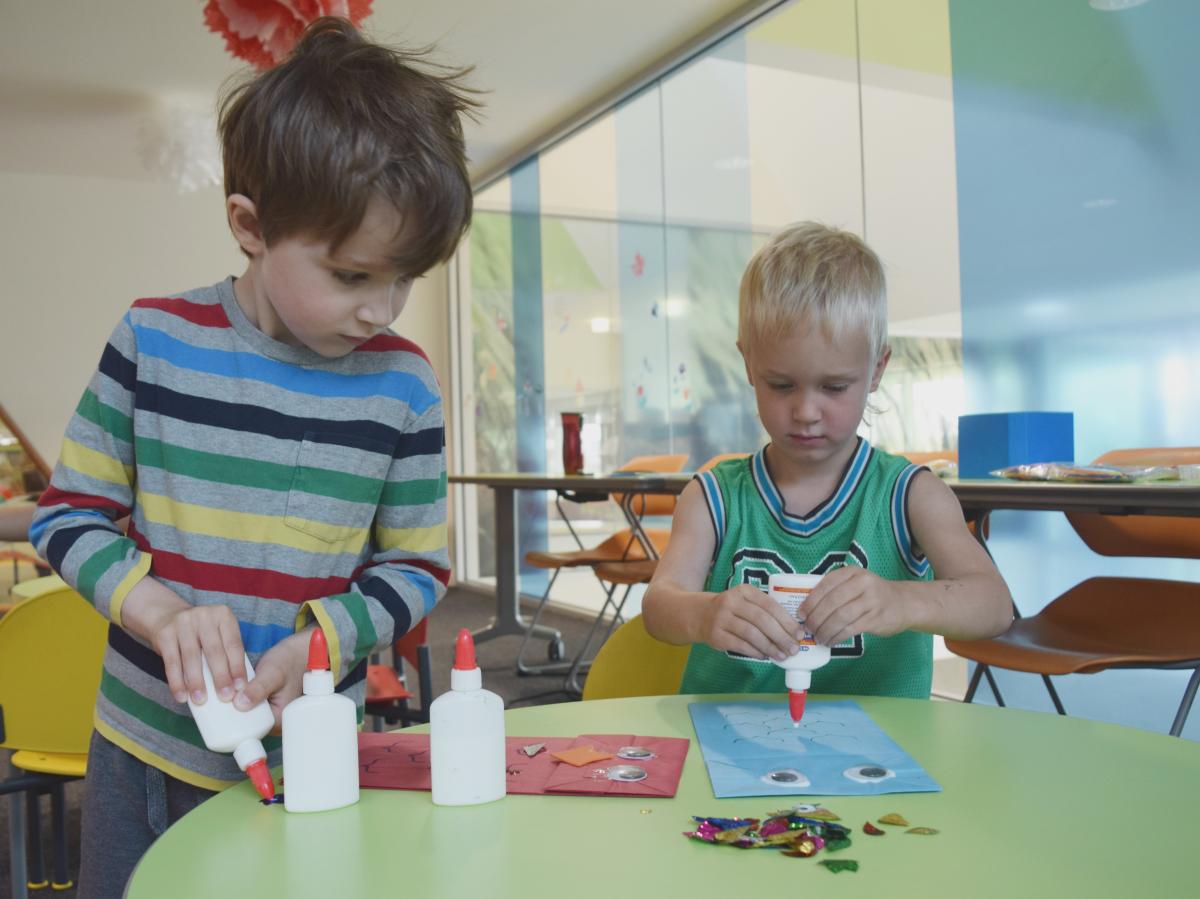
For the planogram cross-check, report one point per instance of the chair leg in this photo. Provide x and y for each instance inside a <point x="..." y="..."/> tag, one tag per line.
<point x="37" y="858"/>
<point x="974" y="684"/>
<point x="58" y="819"/>
<point x="987" y="672"/>
<point x="16" y="846"/>
<point x="581" y="661"/>
<point x="1189" y="694"/>
<point x="1053" y="695"/>
<point x="553" y="667"/>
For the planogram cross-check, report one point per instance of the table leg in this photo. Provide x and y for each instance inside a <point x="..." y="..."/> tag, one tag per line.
<point x="508" y="618"/>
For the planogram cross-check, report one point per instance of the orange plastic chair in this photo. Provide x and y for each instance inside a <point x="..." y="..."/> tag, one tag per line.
<point x="629" y="573"/>
<point x="653" y="503"/>
<point x="388" y="695"/>
<point x="1089" y="628"/>
<point x="624" y="545"/>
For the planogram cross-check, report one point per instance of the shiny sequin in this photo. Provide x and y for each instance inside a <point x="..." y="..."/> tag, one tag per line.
<point x="894" y="818"/>
<point x="922" y="830"/>
<point x="837" y="865"/>
<point x="873" y="830"/>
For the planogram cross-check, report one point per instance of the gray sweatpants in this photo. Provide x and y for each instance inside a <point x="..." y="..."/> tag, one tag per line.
<point x="127" y="804"/>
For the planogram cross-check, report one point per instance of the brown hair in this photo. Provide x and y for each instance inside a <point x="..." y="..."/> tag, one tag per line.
<point x="341" y="121"/>
<point x="810" y="275"/>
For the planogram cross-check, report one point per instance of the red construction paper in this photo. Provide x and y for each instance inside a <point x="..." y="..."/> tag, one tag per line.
<point x="662" y="771"/>
<point x="400" y="761"/>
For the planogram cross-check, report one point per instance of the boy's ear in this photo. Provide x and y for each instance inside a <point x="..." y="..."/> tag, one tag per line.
<point x="880" y="366"/>
<point x="746" y="362"/>
<point x="243" y="222"/>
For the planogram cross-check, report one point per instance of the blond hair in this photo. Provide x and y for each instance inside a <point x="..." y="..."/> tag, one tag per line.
<point x="810" y="275"/>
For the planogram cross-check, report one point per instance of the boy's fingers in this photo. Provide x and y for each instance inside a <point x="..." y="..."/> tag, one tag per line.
<point x="769" y="636"/>
<point x="267" y="679"/>
<point x="193" y="673"/>
<point x="235" y="653"/>
<point x="218" y="664"/>
<point x="174" y="670"/>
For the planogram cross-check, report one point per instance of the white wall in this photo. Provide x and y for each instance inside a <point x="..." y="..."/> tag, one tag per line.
<point x="75" y="252"/>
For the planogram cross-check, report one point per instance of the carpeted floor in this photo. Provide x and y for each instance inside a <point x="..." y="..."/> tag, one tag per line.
<point x="460" y="608"/>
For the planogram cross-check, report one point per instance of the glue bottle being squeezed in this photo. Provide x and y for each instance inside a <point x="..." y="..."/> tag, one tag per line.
<point x="320" y="740"/>
<point x="226" y="728"/>
<point x="466" y="735"/>
<point x="789" y="590"/>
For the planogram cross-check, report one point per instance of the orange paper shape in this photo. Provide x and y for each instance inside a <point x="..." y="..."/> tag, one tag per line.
<point x="581" y="755"/>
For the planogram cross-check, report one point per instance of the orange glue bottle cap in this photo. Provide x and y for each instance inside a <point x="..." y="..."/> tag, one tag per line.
<point x="796" y="699"/>
<point x="260" y="776"/>
<point x="464" y="651"/>
<point x="318" y="651"/>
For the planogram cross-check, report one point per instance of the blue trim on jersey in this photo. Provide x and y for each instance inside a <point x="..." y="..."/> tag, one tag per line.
<point x="715" y="501"/>
<point x="915" y="562"/>
<point x="825" y="513"/>
<point x="251" y="366"/>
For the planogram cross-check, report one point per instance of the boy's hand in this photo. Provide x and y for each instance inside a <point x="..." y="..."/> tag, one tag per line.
<point x="746" y="620"/>
<point x="850" y="601"/>
<point x="278" y="677"/>
<point x="181" y="634"/>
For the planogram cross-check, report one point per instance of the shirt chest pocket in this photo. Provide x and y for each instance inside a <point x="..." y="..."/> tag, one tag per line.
<point x="336" y="486"/>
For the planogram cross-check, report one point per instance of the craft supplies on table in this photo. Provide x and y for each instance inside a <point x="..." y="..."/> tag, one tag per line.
<point x="751" y="749"/>
<point x="617" y="764"/>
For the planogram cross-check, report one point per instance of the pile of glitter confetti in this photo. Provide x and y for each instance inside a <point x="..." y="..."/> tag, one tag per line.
<point x="799" y="832"/>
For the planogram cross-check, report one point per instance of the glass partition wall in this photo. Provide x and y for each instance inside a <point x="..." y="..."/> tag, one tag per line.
<point x="601" y="276"/>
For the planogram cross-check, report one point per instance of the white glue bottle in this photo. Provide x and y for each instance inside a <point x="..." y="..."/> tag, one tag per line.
<point x="466" y="735"/>
<point x="789" y="590"/>
<point x="320" y="740"/>
<point x="226" y="728"/>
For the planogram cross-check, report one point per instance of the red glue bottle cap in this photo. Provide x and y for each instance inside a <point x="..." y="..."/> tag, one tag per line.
<point x="260" y="776"/>
<point x="464" y="651"/>
<point x="318" y="651"/>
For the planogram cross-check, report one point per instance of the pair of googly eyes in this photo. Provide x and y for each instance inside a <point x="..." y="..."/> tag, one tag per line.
<point x="790" y="777"/>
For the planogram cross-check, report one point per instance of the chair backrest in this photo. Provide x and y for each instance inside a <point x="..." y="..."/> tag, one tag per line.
<point x="51" y="653"/>
<point x="1142" y="535"/>
<point x="653" y="504"/>
<point x="719" y="458"/>
<point x="632" y="663"/>
<point x="925" y="458"/>
<point x="410" y="644"/>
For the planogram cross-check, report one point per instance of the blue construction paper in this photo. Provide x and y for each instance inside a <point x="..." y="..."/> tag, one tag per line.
<point x="751" y="748"/>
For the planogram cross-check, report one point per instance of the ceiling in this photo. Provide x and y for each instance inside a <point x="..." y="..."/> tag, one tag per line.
<point x="81" y="82"/>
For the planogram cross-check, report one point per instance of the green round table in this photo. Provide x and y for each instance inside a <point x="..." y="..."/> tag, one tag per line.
<point x="1032" y="804"/>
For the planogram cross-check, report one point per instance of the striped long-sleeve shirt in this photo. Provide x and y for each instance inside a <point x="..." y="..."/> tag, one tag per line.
<point x="255" y="475"/>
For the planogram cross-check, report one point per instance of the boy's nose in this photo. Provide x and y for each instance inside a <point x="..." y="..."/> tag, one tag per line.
<point x="377" y="311"/>
<point x="806" y="409"/>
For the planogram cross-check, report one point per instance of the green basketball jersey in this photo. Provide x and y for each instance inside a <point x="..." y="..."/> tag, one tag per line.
<point x="864" y="522"/>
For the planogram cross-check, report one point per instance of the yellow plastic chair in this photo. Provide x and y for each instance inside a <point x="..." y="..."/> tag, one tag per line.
<point x="1110" y="622"/>
<point x="51" y="652"/>
<point x="632" y="663"/>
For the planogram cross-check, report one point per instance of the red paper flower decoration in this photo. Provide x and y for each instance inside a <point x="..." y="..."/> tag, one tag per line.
<point x="263" y="32"/>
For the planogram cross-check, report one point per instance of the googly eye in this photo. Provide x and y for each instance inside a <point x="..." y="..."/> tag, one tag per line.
<point x="866" y="774"/>
<point x="786" y="777"/>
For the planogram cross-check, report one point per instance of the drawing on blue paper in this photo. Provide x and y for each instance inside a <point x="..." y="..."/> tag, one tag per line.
<point x="752" y="749"/>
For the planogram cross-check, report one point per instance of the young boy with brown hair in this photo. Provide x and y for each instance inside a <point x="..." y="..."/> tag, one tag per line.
<point x="898" y="561"/>
<point x="278" y="450"/>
